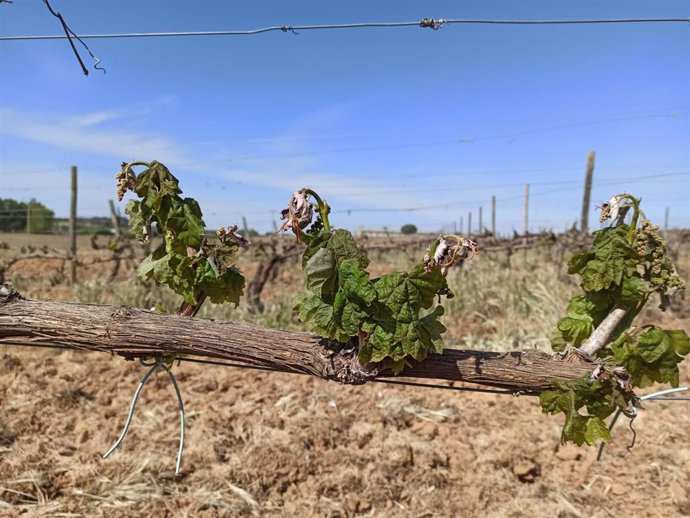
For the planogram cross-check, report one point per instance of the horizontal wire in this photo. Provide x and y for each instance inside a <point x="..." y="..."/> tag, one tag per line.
<point x="605" y="181"/>
<point x="465" y="140"/>
<point x="425" y="23"/>
<point x="447" y="387"/>
<point x="441" y="205"/>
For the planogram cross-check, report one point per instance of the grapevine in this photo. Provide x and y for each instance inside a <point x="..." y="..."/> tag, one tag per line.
<point x="185" y="261"/>
<point x="393" y="317"/>
<point x="625" y="266"/>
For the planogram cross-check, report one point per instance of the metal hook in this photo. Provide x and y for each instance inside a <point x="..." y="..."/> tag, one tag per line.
<point x="158" y="363"/>
<point x="632" y="414"/>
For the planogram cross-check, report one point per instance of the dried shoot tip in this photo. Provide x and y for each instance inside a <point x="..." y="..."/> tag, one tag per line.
<point x="126" y="180"/>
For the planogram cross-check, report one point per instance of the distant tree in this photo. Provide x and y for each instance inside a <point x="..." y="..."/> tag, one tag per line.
<point x="409" y="229"/>
<point x="14" y="214"/>
<point x="41" y="217"/>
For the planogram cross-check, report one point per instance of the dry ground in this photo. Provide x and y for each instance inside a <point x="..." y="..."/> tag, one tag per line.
<point x="265" y="444"/>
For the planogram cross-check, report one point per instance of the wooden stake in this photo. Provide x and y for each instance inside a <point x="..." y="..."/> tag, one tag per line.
<point x="469" y="223"/>
<point x="584" y="219"/>
<point x="666" y="221"/>
<point x="73" y="226"/>
<point x="493" y="215"/>
<point x="115" y="218"/>
<point x="481" y="226"/>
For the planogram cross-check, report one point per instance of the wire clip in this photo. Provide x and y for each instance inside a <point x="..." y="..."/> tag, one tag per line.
<point x="430" y="23"/>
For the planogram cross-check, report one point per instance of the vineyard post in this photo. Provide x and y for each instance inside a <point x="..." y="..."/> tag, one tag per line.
<point x="524" y="239"/>
<point x="493" y="216"/>
<point x="114" y="218"/>
<point x="481" y="226"/>
<point x="666" y="221"/>
<point x="584" y="220"/>
<point x="469" y="223"/>
<point x="73" y="226"/>
<point x="461" y="225"/>
<point x="245" y="227"/>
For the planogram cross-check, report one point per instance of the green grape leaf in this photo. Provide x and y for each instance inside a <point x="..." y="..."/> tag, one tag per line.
<point x="355" y="281"/>
<point x="577" y="262"/>
<point x="634" y="290"/>
<point x="417" y="288"/>
<point x="599" y="275"/>
<point x="653" y="344"/>
<point x="575" y="328"/>
<point x="339" y="321"/>
<point x="137" y="219"/>
<point x="184" y="261"/>
<point x="185" y="224"/>
<point x="568" y="398"/>
<point x="227" y="286"/>
<point x="399" y="331"/>
<point x="571" y="330"/>
<point x="321" y="272"/>
<point x="680" y="341"/>
<point x="652" y="356"/>
<point x="605" y="266"/>
<point x="340" y="242"/>
<point x="595" y="429"/>
<point x="625" y="264"/>
<point x="345" y="247"/>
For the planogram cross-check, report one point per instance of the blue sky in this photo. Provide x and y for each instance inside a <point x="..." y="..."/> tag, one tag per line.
<point x="379" y="121"/>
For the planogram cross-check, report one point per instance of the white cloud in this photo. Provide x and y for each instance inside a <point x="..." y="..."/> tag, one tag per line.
<point x="84" y="133"/>
<point x="77" y="134"/>
<point x="95" y="118"/>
